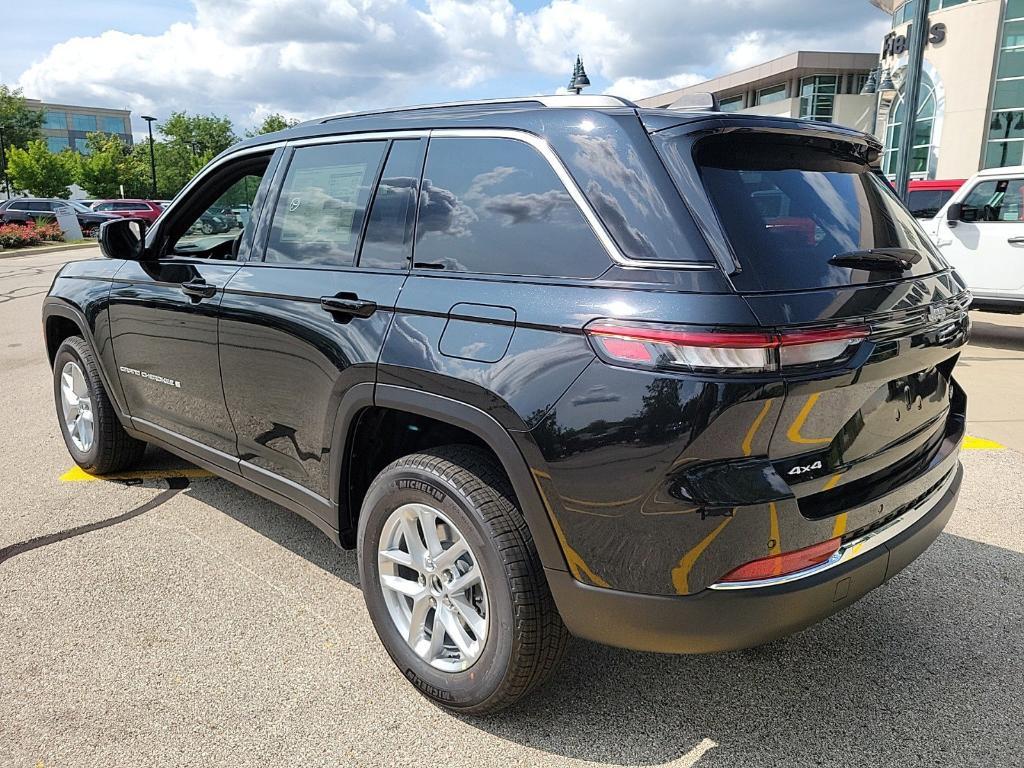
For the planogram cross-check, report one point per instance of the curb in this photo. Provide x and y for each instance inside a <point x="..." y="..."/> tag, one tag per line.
<point x="38" y="250"/>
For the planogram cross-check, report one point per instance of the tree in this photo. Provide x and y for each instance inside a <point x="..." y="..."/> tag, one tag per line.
<point x="41" y="172"/>
<point x="175" y="166"/>
<point x="18" y="124"/>
<point x="189" y="142"/>
<point x="108" y="166"/>
<point x="202" y="134"/>
<point x="271" y="123"/>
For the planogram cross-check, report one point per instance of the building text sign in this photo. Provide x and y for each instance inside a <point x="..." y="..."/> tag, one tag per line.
<point x="897" y="45"/>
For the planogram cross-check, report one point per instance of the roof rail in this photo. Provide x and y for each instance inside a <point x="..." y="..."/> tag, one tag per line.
<point x="558" y="100"/>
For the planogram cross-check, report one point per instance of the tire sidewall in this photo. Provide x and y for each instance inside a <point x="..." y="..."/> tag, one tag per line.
<point x="403" y="485"/>
<point x="65" y="354"/>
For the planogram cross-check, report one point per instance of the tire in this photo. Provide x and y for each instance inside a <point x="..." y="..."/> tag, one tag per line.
<point x="206" y="227"/>
<point x="525" y="637"/>
<point x="110" y="448"/>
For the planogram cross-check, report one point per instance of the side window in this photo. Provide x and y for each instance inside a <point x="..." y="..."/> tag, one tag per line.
<point x="104" y="207"/>
<point x="323" y="201"/>
<point x="995" y="200"/>
<point x="496" y="206"/>
<point x="43" y="206"/>
<point x="388" y="240"/>
<point x="199" y="227"/>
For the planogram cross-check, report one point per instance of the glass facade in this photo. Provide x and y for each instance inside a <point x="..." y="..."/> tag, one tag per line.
<point x="55" y="121"/>
<point x="83" y="123"/>
<point x="818" y="97"/>
<point x="57" y="143"/>
<point x="1005" y="139"/>
<point x="731" y="104"/>
<point x="923" y="129"/>
<point x="771" y="94"/>
<point x="905" y="13"/>
<point x="112" y="125"/>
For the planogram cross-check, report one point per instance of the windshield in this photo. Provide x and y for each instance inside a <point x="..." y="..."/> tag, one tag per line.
<point x="790" y="205"/>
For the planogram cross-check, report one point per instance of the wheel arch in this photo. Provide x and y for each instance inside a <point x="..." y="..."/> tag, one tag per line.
<point x="476" y="425"/>
<point x="61" y="320"/>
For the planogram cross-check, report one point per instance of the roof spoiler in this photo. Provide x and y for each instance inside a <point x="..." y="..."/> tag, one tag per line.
<point x="699" y="101"/>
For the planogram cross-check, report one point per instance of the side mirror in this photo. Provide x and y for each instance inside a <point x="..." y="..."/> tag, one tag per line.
<point x="123" y="239"/>
<point x="954" y="214"/>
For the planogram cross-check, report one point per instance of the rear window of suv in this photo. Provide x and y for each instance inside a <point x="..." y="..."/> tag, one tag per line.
<point x="789" y="205"/>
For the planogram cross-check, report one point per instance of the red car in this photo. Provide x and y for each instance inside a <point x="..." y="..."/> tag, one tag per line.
<point x="146" y="210"/>
<point x="925" y="198"/>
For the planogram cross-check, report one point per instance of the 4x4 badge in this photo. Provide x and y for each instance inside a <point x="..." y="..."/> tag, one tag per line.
<point x="799" y="470"/>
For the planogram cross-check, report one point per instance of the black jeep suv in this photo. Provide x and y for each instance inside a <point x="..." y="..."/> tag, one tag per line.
<point x="673" y="381"/>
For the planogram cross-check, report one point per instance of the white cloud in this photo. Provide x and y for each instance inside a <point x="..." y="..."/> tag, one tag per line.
<point x="245" y="58"/>
<point x="639" y="87"/>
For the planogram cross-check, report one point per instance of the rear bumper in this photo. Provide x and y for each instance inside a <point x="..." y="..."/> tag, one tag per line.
<point x="729" y="619"/>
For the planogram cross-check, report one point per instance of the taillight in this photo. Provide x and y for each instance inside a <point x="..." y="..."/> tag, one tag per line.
<point x="649" y="345"/>
<point x="785" y="563"/>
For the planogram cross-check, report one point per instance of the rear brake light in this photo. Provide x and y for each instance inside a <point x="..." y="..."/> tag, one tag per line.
<point x="786" y="563"/>
<point x="661" y="346"/>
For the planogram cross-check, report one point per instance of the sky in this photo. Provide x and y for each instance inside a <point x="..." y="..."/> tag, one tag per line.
<point x="303" y="58"/>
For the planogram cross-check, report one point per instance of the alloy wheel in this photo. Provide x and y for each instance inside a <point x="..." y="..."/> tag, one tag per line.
<point x="76" y="406"/>
<point x="433" y="586"/>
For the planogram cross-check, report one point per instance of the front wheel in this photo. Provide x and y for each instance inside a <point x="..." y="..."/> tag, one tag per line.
<point x="88" y="423"/>
<point x="453" y="582"/>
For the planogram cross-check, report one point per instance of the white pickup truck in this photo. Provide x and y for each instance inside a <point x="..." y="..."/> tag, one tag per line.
<point x="980" y="231"/>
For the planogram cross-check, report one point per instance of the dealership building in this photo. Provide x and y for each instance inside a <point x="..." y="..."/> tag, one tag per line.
<point x="65" y="126"/>
<point x="971" y="107"/>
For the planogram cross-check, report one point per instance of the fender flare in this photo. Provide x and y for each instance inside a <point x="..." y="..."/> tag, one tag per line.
<point x="466" y="417"/>
<point x="57" y="307"/>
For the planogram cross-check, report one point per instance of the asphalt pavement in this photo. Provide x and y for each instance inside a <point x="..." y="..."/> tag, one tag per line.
<point x="147" y="622"/>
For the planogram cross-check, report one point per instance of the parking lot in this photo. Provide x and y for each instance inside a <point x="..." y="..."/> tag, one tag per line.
<point x="186" y="622"/>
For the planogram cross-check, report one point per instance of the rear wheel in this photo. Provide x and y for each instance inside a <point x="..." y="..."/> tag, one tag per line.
<point x="90" y="427"/>
<point x="453" y="583"/>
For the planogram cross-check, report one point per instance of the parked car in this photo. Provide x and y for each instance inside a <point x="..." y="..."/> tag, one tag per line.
<point x="926" y="197"/>
<point x="209" y="223"/>
<point x="146" y="210"/>
<point x="23" y="209"/>
<point x="616" y="390"/>
<point x="980" y="231"/>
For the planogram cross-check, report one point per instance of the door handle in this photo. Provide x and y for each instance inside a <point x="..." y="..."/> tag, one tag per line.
<point x="356" y="307"/>
<point x="1015" y="240"/>
<point x="198" y="288"/>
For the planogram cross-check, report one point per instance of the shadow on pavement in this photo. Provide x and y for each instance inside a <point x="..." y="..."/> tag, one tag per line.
<point x="996" y="336"/>
<point x="925" y="670"/>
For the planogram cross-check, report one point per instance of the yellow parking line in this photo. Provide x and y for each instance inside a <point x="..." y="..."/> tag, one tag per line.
<point x="681" y="573"/>
<point x="793" y="433"/>
<point x="748" y="440"/>
<point x="981" y="444"/>
<point x="79" y="475"/>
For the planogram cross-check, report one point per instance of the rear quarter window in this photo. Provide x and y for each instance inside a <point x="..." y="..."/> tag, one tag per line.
<point x="495" y="206"/>
<point x="789" y="205"/>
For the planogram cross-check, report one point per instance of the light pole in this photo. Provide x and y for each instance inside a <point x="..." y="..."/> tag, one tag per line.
<point x="3" y="164"/>
<point x="152" y="156"/>
<point x="911" y="94"/>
